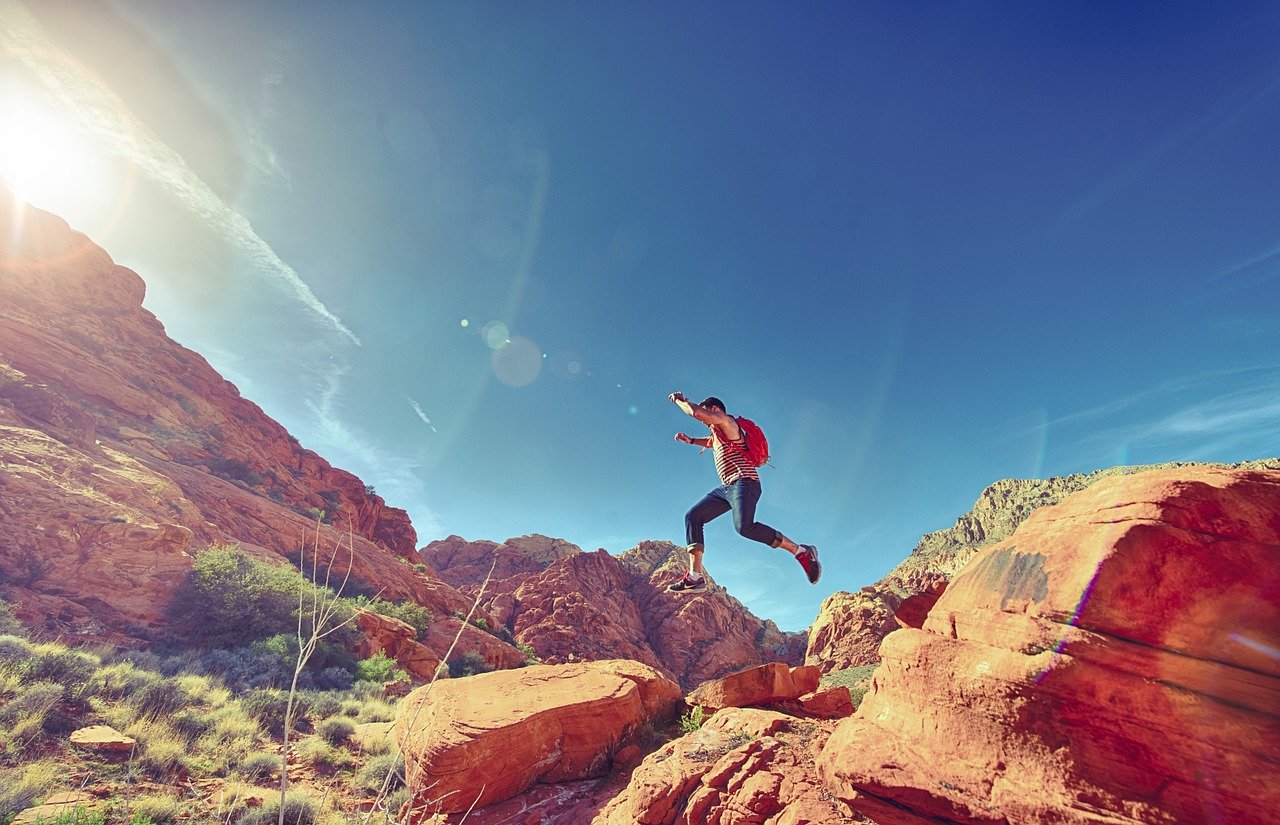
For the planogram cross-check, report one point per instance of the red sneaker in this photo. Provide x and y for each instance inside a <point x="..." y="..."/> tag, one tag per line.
<point x="808" y="558"/>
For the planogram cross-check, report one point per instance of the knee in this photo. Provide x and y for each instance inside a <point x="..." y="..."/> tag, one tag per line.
<point x="744" y="528"/>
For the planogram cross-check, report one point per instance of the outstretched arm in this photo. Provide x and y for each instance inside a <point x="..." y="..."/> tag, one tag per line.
<point x="707" y="415"/>
<point x="703" y="442"/>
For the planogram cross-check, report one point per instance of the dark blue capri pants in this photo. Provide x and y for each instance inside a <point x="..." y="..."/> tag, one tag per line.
<point x="739" y="496"/>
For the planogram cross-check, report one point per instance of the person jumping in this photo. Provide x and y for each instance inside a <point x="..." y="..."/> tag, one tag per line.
<point x="739" y="491"/>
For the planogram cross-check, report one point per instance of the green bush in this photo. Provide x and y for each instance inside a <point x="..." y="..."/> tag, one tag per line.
<point x="324" y="704"/>
<point x="268" y="708"/>
<point x="336" y="730"/>
<point x="52" y="662"/>
<point x="119" y="681"/>
<point x="14" y="653"/>
<point x="379" y="668"/>
<point x="232" y="600"/>
<point x="160" y="698"/>
<point x="259" y="766"/>
<point x="157" y="809"/>
<point x="692" y="720"/>
<point x="299" y="809"/>
<point x="414" y="615"/>
<point x="468" y="664"/>
<point x="23" y="717"/>
<point x="369" y="778"/>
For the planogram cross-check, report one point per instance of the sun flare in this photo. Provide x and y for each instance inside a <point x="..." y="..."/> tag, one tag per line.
<point x="39" y="154"/>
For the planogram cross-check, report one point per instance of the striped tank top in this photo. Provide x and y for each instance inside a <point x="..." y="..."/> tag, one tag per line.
<point x="731" y="464"/>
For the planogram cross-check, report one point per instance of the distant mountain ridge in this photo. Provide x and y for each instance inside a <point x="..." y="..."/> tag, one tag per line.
<point x="568" y="604"/>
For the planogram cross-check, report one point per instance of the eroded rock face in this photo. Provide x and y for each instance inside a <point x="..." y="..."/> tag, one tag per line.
<point x="1113" y="660"/>
<point x="743" y="765"/>
<point x="123" y="453"/>
<point x="569" y="605"/>
<point x="486" y="738"/>
<point x="850" y="626"/>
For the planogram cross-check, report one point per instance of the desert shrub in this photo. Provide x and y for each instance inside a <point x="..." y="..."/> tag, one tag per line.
<point x="192" y="723"/>
<point x="161" y="749"/>
<point x="141" y="659"/>
<point x="376" y="710"/>
<point x="414" y="615"/>
<point x="20" y="787"/>
<point x="23" y="717"/>
<point x="233" y="469"/>
<point x="231" y="737"/>
<point x="692" y="720"/>
<point x="335" y="730"/>
<point x="299" y="809"/>
<point x="370" y="778"/>
<point x="9" y="624"/>
<point x="268" y="708"/>
<point x="374" y="743"/>
<point x="351" y="707"/>
<point x="119" y="680"/>
<point x="530" y="655"/>
<point x="468" y="664"/>
<point x="259" y="765"/>
<point x="204" y="689"/>
<point x="324" y="704"/>
<point x="14" y="653"/>
<point x="159" y="698"/>
<point x="159" y="809"/>
<point x="70" y="668"/>
<point x="316" y="752"/>
<point x="232" y="600"/>
<point x="379" y="668"/>
<point x="857" y="679"/>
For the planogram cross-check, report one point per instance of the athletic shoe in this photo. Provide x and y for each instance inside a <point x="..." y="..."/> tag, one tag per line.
<point x="688" y="584"/>
<point x="808" y="558"/>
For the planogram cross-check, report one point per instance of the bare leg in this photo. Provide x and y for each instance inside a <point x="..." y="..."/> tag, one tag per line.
<point x="695" y="560"/>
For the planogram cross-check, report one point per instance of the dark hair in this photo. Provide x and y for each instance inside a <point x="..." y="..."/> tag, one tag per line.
<point x="712" y="401"/>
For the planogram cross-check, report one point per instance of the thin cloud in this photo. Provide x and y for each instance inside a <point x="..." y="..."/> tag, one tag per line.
<point x="1242" y="420"/>
<point x="417" y="409"/>
<point x="104" y="116"/>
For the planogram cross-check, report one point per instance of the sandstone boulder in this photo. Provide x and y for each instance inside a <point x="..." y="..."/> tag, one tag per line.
<point x="763" y="685"/>
<point x="103" y="738"/>
<point x="486" y="738"/>
<point x="1111" y="661"/>
<point x="743" y="765"/>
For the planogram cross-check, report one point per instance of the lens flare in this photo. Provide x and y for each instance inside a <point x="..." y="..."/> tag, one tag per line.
<point x="518" y="363"/>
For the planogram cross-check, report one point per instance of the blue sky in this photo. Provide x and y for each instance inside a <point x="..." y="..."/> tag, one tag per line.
<point x="465" y="250"/>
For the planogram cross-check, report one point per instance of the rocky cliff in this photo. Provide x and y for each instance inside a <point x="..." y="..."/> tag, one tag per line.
<point x="850" y="626"/>
<point x="1114" y="660"/>
<point x="567" y="605"/>
<point x="122" y="452"/>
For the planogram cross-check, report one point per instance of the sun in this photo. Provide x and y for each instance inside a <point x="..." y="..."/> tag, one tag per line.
<point x="40" y="158"/>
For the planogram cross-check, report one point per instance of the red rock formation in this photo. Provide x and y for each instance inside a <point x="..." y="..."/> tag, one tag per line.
<point x="850" y="626"/>
<point x="1112" y="661"/>
<point x="383" y="634"/>
<point x="123" y="453"/>
<point x="741" y="766"/>
<point x="486" y="738"/>
<point x="570" y="606"/>
<point x="763" y="685"/>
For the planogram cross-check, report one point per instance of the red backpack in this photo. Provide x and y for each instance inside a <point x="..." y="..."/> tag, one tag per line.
<point x="757" y="447"/>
